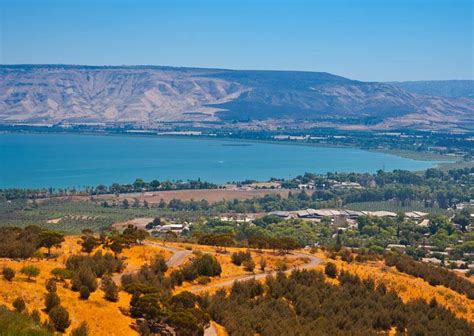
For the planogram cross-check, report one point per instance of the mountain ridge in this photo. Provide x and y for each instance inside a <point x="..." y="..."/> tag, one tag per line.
<point x="149" y="95"/>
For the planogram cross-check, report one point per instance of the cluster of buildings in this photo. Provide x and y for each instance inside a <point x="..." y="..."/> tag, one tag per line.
<point x="345" y="214"/>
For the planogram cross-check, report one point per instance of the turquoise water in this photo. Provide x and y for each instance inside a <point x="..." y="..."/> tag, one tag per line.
<point x="52" y="160"/>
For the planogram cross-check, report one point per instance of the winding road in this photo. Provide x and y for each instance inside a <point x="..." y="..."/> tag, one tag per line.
<point x="179" y="256"/>
<point x="313" y="262"/>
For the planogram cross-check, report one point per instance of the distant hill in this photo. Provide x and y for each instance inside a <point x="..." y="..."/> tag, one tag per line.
<point x="446" y="88"/>
<point x="148" y="95"/>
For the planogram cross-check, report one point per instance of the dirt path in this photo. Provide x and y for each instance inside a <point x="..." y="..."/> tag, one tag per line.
<point x="176" y="259"/>
<point x="210" y="331"/>
<point x="313" y="262"/>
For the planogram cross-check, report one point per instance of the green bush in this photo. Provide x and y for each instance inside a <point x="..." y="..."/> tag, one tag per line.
<point x="51" y="300"/>
<point x="249" y="265"/>
<point x="8" y="273"/>
<point x="331" y="270"/>
<point x="62" y="273"/>
<point x="82" y="330"/>
<point x="110" y="289"/>
<point x="19" y="304"/>
<point x="239" y="257"/>
<point x="51" y="285"/>
<point x="30" y="271"/>
<point x="84" y="292"/>
<point x="60" y="318"/>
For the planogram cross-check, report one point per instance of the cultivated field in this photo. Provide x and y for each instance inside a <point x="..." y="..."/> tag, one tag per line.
<point x="210" y="195"/>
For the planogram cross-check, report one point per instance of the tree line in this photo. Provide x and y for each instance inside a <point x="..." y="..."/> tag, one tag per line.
<point x="303" y="303"/>
<point x="433" y="274"/>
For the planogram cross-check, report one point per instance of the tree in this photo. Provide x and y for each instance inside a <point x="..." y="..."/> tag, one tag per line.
<point x="89" y="243"/>
<point x="8" y="273"/>
<point x="19" y="304"/>
<point x="60" y="318"/>
<point x="49" y="238"/>
<point x="331" y="270"/>
<point x="117" y="245"/>
<point x="30" y="271"/>
<point x="82" y="330"/>
<point x="110" y="289"/>
<point x="51" y="300"/>
<point x="125" y="204"/>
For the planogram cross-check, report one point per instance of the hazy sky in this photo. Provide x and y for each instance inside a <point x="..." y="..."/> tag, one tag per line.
<point x="360" y="39"/>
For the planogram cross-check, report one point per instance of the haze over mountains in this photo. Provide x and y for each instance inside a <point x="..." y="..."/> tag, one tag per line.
<point x="149" y="95"/>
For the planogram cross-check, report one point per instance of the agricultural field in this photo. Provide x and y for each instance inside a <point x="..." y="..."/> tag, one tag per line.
<point x="72" y="216"/>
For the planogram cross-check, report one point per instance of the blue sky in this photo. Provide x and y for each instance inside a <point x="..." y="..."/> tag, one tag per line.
<point x="361" y="39"/>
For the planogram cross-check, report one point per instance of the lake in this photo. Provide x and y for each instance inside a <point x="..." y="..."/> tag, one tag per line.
<point x="68" y="160"/>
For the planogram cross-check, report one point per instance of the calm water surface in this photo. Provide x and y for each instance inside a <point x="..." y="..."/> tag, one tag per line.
<point x="50" y="160"/>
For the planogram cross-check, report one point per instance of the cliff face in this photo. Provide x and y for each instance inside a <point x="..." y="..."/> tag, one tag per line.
<point x="146" y="94"/>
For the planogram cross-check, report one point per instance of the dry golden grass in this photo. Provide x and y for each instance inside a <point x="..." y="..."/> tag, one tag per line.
<point x="407" y="286"/>
<point x="136" y="256"/>
<point x="220" y="330"/>
<point x="106" y="318"/>
<point x="231" y="271"/>
<point x="102" y="316"/>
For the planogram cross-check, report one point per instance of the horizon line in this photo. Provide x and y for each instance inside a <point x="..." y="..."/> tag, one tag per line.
<point x="215" y="68"/>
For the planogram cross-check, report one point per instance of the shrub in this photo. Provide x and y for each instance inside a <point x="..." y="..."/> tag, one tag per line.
<point x="207" y="265"/>
<point x="110" y="289"/>
<point x="35" y="316"/>
<point x="61" y="273"/>
<point x="51" y="285"/>
<point x="159" y="264"/>
<point x="331" y="270"/>
<point x="8" y="273"/>
<point x="84" y="292"/>
<point x="239" y="257"/>
<point x="347" y="256"/>
<point x="203" y="264"/>
<point x="51" y="300"/>
<point x="263" y="264"/>
<point x="82" y="330"/>
<point x="84" y="277"/>
<point x="19" y="304"/>
<point x="30" y="271"/>
<point x="249" y="265"/>
<point x="203" y="280"/>
<point x="60" y="318"/>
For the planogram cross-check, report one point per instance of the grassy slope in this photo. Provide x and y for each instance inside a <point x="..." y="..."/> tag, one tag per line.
<point x="13" y="323"/>
<point x="409" y="287"/>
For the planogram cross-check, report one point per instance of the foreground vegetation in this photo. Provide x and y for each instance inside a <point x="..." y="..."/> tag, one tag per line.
<point x="304" y="303"/>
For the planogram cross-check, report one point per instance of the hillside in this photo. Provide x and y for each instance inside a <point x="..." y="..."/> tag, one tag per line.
<point x="447" y="88"/>
<point x="104" y="317"/>
<point x="149" y="95"/>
